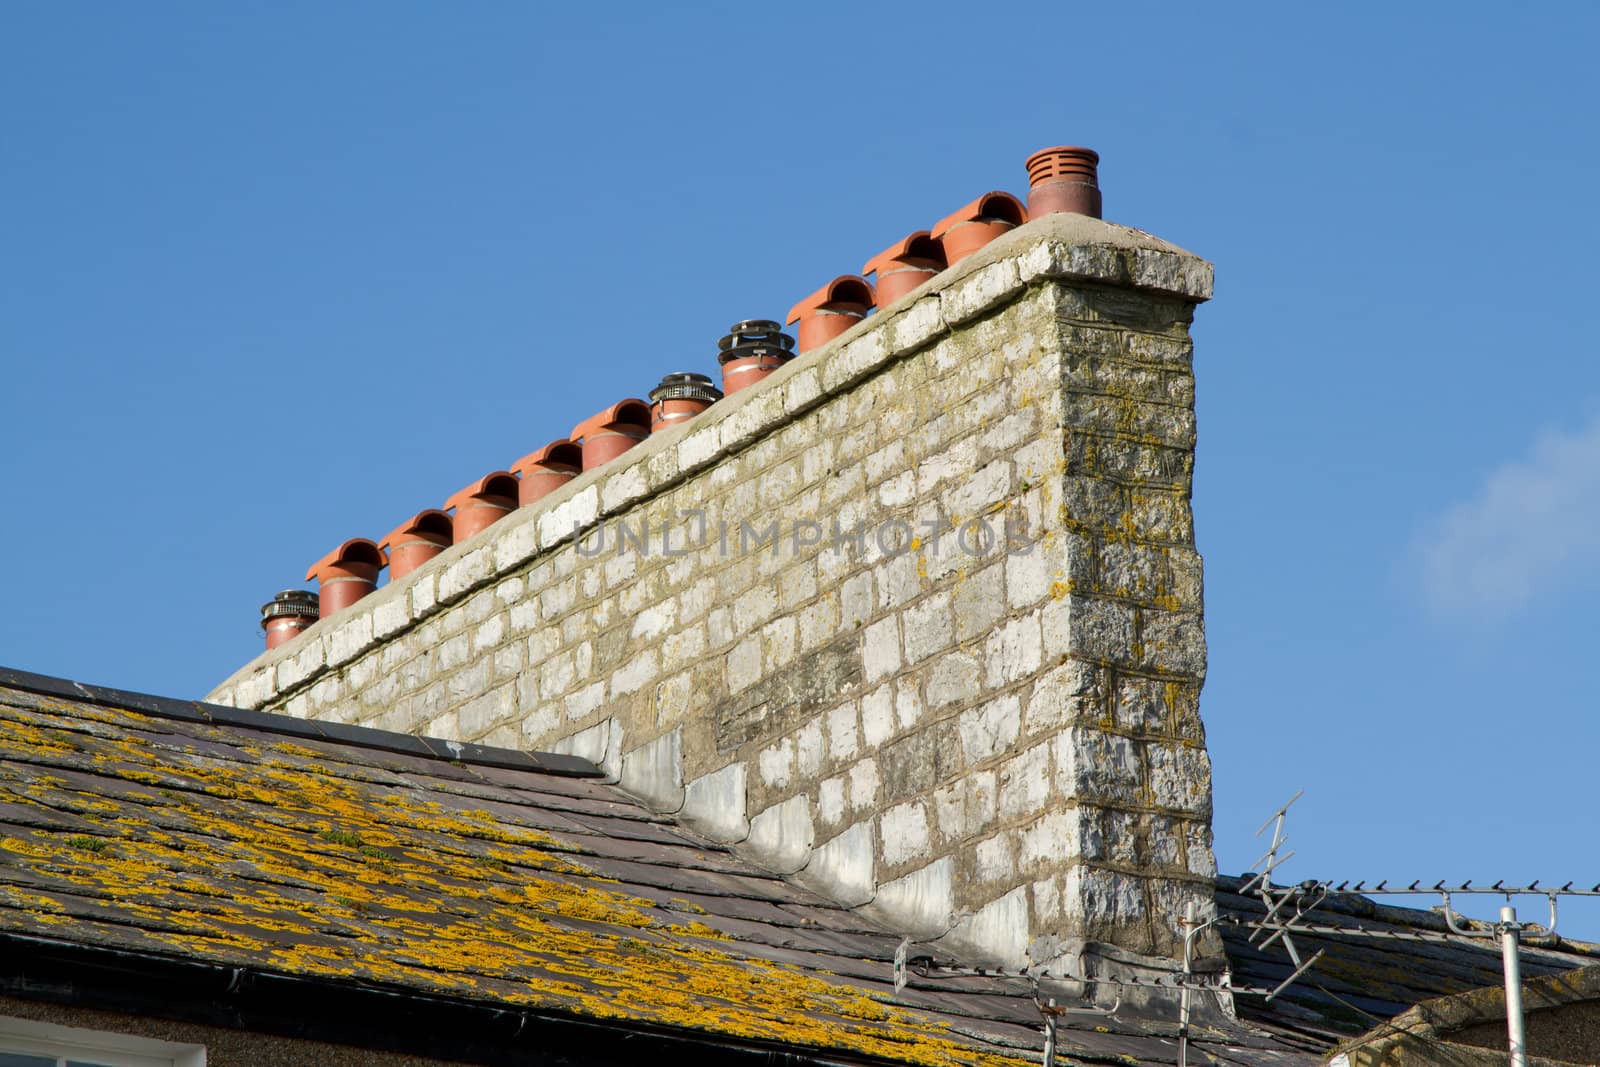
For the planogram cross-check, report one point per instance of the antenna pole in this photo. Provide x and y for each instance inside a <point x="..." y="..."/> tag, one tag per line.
<point x="1189" y="931"/>
<point x="1508" y="950"/>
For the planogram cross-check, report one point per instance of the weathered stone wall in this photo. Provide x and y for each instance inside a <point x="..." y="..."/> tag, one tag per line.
<point x="917" y="619"/>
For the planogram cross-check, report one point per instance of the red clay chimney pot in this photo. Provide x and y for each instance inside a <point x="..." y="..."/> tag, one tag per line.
<point x="679" y="398"/>
<point x="752" y="350"/>
<point x="482" y="504"/>
<point x="905" y="265"/>
<point x="969" y="228"/>
<point x="832" y="310"/>
<point x="542" y="472"/>
<point x="1064" y="178"/>
<point x="416" y="541"/>
<point x="287" y="615"/>
<point x="607" y="434"/>
<point x="347" y="574"/>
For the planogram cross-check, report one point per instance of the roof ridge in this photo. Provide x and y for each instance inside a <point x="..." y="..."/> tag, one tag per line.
<point x="559" y="764"/>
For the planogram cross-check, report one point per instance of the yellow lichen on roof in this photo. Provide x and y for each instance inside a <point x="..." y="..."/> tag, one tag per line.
<point x="290" y="862"/>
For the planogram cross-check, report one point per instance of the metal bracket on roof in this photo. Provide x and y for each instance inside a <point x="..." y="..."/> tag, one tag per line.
<point x="905" y="963"/>
<point x="1052" y="1013"/>
<point x="1528" y="930"/>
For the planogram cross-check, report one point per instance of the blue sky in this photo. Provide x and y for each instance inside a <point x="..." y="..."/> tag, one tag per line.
<point x="277" y="275"/>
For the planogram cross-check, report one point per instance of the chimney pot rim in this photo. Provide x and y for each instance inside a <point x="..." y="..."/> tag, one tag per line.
<point x="419" y="524"/>
<point x="846" y="289"/>
<point x="560" y="454"/>
<point x="493" y="484"/>
<point x="980" y="209"/>
<point x="906" y="247"/>
<point x="349" y="552"/>
<point x="290" y="603"/>
<point x="632" y="412"/>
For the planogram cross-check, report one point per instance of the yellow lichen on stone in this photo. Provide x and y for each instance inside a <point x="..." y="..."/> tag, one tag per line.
<point x="286" y="864"/>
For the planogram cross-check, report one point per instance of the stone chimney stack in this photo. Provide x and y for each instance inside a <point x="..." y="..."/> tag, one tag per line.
<point x="915" y="619"/>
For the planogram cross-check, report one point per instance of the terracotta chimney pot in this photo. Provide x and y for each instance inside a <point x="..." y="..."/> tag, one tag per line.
<point x="905" y="265"/>
<point x="416" y="541"/>
<point x="1064" y="178"/>
<point x="543" y="472"/>
<point x="964" y="231"/>
<point x="346" y="574"/>
<point x="832" y="310"/>
<point x="482" y="504"/>
<point x="607" y="434"/>
<point x="287" y="615"/>
<point x="752" y="350"/>
<point x="679" y="398"/>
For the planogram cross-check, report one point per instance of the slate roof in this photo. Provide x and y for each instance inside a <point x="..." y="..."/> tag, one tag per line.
<point x="173" y="830"/>
<point x="166" y="830"/>
<point x="1365" y="980"/>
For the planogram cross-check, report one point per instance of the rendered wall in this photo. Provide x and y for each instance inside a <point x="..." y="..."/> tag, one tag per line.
<point x="992" y="737"/>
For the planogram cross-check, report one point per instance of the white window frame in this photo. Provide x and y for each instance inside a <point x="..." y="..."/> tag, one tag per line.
<point x="31" y="1038"/>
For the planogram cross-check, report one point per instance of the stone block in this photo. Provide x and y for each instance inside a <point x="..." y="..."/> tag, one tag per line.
<point x="489" y="633"/>
<point x="877" y="716"/>
<point x="775" y="764"/>
<point x="255" y="690"/>
<point x="1107" y="905"/>
<point x="802" y="390"/>
<point x="954" y="678"/>
<point x="1173" y="641"/>
<point x="903" y="833"/>
<point x="390" y="617"/>
<point x="918" y="324"/>
<point x="991" y="728"/>
<point x="979" y="600"/>
<point x="582" y="703"/>
<point x="854" y="360"/>
<point x="819" y="621"/>
<point x="1013" y="651"/>
<point x="424" y="593"/>
<point x="881" y="649"/>
<point x="466" y="574"/>
<point x="864" y="785"/>
<point x="910" y="766"/>
<point x="744" y="664"/>
<point x="1090" y="627"/>
<point x="908" y="706"/>
<point x="831" y="801"/>
<point x="674" y="699"/>
<point x="639" y="671"/>
<point x="482" y="714"/>
<point x="966" y="500"/>
<point x="1025" y="782"/>
<point x="623" y="488"/>
<point x="929" y="627"/>
<point x="979" y="291"/>
<point x="350" y="638"/>
<point x="1028" y="578"/>
<point x="1066" y="694"/>
<point x="1094" y="765"/>
<point x="1180" y="777"/>
<point x="1056" y="839"/>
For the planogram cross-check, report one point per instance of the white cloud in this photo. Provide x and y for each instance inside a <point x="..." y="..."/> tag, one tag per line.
<point x="1532" y="527"/>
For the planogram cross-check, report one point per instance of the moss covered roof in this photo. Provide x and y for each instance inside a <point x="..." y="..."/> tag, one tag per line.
<point x="288" y="854"/>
